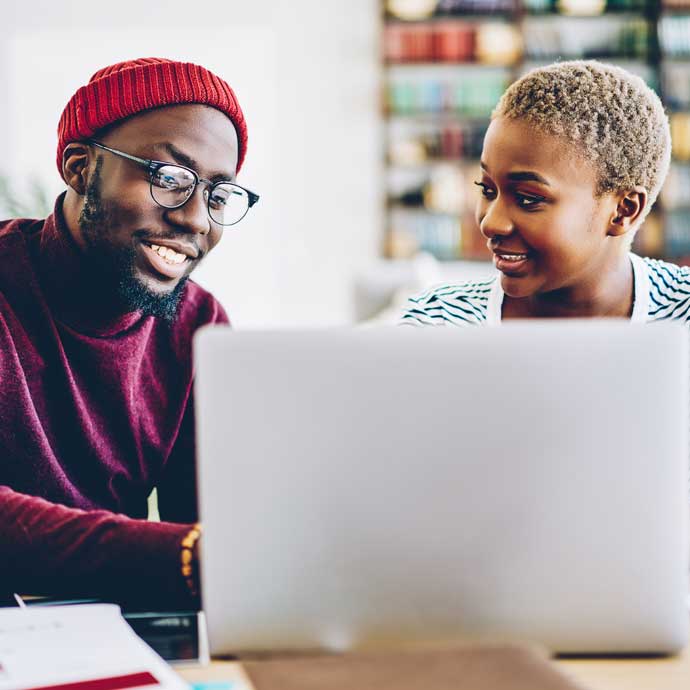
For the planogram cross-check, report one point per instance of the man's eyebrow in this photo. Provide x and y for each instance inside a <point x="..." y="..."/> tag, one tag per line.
<point x="521" y="175"/>
<point x="188" y="161"/>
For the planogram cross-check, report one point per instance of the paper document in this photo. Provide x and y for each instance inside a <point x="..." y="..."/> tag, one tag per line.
<point x="89" y="647"/>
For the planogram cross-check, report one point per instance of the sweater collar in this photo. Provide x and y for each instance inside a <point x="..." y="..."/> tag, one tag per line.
<point x="68" y="288"/>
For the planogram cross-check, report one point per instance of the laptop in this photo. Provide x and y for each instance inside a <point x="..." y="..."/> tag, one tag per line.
<point x="392" y="486"/>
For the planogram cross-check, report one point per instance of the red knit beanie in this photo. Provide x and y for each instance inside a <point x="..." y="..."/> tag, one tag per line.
<point x="127" y="88"/>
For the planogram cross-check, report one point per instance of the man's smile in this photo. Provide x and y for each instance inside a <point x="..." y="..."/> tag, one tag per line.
<point x="166" y="261"/>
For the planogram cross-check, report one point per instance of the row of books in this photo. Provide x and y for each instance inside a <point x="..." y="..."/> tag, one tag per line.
<point x="441" y="189"/>
<point x="494" y="43"/>
<point x="610" y="36"/>
<point x="417" y="143"/>
<point x="470" y="95"/>
<point x="587" y="7"/>
<point x="412" y="232"/>
<point x="674" y="35"/>
<point x="403" y="9"/>
<point x="459" y="7"/>
<point x="502" y="43"/>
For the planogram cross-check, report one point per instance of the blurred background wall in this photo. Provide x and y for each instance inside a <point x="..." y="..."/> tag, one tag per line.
<point x="366" y="120"/>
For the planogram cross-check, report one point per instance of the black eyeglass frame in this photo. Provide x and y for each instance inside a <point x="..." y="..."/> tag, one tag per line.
<point x="153" y="166"/>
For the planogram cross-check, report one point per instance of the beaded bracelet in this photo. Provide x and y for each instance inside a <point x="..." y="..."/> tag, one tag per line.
<point x="187" y="559"/>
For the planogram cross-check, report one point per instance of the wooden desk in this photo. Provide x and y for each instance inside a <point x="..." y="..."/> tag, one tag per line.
<point x="671" y="673"/>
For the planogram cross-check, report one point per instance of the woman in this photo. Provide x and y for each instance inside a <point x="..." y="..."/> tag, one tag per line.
<point x="572" y="162"/>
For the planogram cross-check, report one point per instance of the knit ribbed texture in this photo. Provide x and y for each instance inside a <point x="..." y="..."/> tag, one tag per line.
<point x="126" y="88"/>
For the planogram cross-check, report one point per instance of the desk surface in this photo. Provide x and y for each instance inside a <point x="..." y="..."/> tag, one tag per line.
<point x="672" y="673"/>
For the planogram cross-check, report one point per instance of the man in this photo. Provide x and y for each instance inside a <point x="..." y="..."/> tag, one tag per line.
<point x="96" y="322"/>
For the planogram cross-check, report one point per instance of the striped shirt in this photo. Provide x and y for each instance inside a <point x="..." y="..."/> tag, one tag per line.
<point x="662" y="292"/>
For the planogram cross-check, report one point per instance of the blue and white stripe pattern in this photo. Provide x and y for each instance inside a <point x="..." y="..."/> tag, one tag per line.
<point x="669" y="291"/>
<point x="463" y="304"/>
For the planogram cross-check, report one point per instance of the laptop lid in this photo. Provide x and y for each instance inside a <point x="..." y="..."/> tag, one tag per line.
<point x="400" y="485"/>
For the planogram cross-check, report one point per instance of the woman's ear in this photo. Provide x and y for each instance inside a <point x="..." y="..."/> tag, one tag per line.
<point x="75" y="166"/>
<point x="630" y="206"/>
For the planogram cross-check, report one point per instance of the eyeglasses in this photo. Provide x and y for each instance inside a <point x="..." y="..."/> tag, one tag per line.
<point x="173" y="185"/>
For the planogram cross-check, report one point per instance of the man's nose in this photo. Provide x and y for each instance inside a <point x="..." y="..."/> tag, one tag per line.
<point x="193" y="214"/>
<point x="496" y="221"/>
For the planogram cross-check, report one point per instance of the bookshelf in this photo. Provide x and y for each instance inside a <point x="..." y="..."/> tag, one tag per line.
<point x="674" y="69"/>
<point x="445" y="65"/>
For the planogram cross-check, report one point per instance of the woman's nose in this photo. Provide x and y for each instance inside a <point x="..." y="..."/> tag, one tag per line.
<point x="495" y="221"/>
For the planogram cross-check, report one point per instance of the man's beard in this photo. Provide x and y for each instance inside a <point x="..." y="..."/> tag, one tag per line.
<point x="111" y="269"/>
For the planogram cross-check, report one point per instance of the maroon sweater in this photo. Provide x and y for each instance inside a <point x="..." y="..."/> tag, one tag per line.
<point x="92" y="417"/>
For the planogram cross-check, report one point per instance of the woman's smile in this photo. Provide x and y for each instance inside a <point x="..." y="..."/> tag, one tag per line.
<point x="510" y="262"/>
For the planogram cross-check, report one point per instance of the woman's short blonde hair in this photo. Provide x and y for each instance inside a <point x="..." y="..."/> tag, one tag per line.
<point x="615" y="120"/>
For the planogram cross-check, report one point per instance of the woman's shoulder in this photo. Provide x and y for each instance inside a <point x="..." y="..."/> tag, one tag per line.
<point x="463" y="303"/>
<point x="669" y="290"/>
